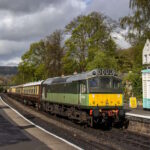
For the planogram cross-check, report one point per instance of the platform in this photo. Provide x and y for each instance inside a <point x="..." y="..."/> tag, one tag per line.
<point x="18" y="133"/>
<point x="137" y="112"/>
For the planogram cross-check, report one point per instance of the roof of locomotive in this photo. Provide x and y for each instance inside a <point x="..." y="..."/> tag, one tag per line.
<point x="92" y="73"/>
<point x="55" y="80"/>
<point x="33" y="83"/>
<point x="81" y="76"/>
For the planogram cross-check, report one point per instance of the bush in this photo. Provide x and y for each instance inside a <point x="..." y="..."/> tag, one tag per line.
<point x="135" y="80"/>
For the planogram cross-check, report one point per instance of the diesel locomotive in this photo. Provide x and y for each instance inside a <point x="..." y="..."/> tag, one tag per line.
<point x="94" y="97"/>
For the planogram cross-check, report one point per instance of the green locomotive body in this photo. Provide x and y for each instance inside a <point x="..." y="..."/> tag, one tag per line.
<point x="94" y="96"/>
<point x="76" y="90"/>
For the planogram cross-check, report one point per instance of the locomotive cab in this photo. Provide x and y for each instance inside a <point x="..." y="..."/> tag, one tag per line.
<point x="106" y="99"/>
<point x="105" y="91"/>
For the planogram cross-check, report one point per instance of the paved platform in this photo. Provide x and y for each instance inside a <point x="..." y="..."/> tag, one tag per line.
<point x="137" y="112"/>
<point x="14" y="137"/>
<point x="18" y="133"/>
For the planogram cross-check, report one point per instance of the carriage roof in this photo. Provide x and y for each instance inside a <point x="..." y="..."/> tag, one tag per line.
<point x="33" y="83"/>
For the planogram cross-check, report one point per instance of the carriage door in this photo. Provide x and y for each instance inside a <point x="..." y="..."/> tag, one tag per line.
<point x="83" y="90"/>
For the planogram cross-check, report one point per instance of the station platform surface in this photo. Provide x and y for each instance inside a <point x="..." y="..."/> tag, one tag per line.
<point x="17" y="133"/>
<point x="137" y="112"/>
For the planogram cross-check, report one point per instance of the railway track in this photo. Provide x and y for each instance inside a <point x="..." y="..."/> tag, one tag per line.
<point x="87" y="138"/>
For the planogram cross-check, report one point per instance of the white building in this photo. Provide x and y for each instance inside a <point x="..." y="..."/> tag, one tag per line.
<point x="146" y="53"/>
<point x="146" y="76"/>
<point x="146" y="88"/>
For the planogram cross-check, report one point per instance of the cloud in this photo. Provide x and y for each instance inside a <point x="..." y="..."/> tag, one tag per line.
<point x="11" y="62"/>
<point x="23" y="23"/>
<point x="26" y="21"/>
<point x="112" y="8"/>
<point x="26" y="6"/>
<point x="39" y="24"/>
<point x="11" y="47"/>
<point x="120" y="40"/>
<point x="11" y="52"/>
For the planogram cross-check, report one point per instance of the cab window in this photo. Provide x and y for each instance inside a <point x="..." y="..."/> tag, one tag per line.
<point x="105" y="82"/>
<point x="94" y="82"/>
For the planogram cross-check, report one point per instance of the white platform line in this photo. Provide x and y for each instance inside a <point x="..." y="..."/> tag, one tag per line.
<point x="137" y="115"/>
<point x="69" y="143"/>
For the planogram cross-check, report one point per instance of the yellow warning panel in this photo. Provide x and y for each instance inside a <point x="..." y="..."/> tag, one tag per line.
<point x="133" y="102"/>
<point x="105" y="100"/>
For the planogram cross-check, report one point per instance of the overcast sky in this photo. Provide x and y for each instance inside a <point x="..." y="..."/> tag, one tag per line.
<point x="25" y="21"/>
